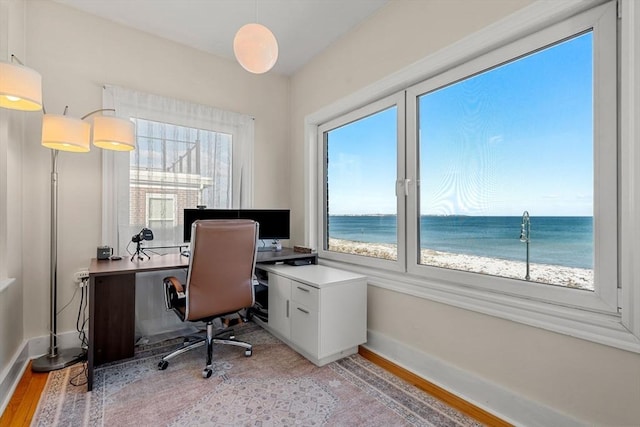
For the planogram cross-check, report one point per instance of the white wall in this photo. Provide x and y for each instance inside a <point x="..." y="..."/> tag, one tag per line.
<point x="12" y="124"/>
<point x="596" y="384"/>
<point x="76" y="53"/>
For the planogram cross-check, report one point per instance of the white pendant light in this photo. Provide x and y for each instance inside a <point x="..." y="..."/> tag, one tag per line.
<point x="65" y="133"/>
<point x="113" y="133"/>
<point x="256" y="48"/>
<point x="20" y="87"/>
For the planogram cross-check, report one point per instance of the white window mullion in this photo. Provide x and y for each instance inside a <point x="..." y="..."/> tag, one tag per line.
<point x="606" y="157"/>
<point x="413" y="173"/>
<point x="630" y="167"/>
<point x="409" y="184"/>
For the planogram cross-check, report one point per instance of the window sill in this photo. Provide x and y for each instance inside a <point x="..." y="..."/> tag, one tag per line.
<point x="601" y="328"/>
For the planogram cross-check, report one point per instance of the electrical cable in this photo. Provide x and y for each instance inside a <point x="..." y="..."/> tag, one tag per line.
<point x="67" y="304"/>
<point x="77" y="380"/>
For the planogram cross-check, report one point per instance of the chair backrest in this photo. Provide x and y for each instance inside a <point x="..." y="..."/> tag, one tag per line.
<point x="221" y="267"/>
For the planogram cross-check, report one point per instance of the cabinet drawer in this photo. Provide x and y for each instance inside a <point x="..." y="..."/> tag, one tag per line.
<point x="304" y="294"/>
<point x="304" y="328"/>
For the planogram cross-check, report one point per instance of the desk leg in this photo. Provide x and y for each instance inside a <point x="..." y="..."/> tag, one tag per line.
<point x="112" y="313"/>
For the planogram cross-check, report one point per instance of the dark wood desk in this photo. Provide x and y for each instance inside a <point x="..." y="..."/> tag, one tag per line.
<point x="112" y="306"/>
<point x="112" y="301"/>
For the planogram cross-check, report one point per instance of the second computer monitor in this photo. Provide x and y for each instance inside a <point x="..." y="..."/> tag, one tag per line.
<point x="274" y="223"/>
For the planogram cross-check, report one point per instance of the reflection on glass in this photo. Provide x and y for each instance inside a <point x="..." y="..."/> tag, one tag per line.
<point x="514" y="138"/>
<point x="173" y="168"/>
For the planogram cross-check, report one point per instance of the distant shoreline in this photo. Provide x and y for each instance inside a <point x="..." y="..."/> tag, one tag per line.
<point x="469" y="216"/>
<point x="571" y="277"/>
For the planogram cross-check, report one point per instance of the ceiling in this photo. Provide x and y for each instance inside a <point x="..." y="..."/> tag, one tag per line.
<point x="303" y="28"/>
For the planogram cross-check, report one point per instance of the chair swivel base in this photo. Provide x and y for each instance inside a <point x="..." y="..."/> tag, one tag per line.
<point x="208" y="370"/>
<point x="63" y="358"/>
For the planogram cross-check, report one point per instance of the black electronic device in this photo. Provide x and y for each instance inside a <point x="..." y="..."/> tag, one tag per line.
<point x="274" y="223"/>
<point x="144" y="234"/>
<point x="299" y="261"/>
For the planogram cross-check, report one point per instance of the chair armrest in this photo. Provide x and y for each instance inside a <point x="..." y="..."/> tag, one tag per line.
<point x="174" y="296"/>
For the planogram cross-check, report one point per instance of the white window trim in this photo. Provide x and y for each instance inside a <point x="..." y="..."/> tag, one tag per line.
<point x="4" y="208"/>
<point x="163" y="196"/>
<point x="620" y="331"/>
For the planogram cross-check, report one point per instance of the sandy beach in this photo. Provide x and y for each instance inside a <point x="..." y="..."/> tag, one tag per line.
<point x="580" y="278"/>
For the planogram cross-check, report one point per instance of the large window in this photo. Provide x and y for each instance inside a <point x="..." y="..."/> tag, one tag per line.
<point x="510" y="181"/>
<point x="513" y="139"/>
<point x="186" y="155"/>
<point x="361" y="170"/>
<point x="173" y="168"/>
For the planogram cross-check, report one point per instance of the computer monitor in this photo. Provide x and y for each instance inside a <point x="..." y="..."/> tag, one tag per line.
<point x="274" y="223"/>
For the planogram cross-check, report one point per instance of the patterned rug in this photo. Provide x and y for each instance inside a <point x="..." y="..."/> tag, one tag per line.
<point x="274" y="387"/>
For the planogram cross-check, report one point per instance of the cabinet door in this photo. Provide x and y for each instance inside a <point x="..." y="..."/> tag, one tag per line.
<point x="279" y="305"/>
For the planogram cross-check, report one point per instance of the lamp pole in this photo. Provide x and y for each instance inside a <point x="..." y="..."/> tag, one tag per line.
<point x="55" y="359"/>
<point x="525" y="234"/>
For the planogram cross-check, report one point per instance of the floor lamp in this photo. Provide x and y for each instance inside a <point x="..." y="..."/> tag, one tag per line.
<point x="21" y="89"/>
<point x="65" y="133"/>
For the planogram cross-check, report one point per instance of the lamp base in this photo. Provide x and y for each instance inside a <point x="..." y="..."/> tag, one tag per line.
<point x="64" y="358"/>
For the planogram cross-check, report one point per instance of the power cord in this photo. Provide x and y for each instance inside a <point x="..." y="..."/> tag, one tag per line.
<point x="81" y="378"/>
<point x="67" y="304"/>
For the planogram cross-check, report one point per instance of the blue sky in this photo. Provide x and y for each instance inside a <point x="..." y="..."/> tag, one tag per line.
<point x="516" y="138"/>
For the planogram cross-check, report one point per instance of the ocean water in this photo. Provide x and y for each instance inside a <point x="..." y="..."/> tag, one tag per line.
<point x="566" y="241"/>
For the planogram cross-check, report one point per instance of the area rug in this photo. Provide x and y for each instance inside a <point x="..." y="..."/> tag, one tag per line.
<point x="274" y="387"/>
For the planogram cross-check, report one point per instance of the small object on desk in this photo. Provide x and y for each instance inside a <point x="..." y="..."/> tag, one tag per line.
<point x="104" y="252"/>
<point x="185" y="253"/>
<point x="298" y="262"/>
<point x="116" y="258"/>
<point x="302" y="249"/>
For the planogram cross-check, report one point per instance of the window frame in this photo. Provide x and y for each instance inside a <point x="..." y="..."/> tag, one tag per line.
<point x="602" y="20"/>
<point x="398" y="101"/>
<point x="616" y="330"/>
<point x="160" y="196"/>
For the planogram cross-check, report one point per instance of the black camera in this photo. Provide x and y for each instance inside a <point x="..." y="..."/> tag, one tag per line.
<point x="144" y="234"/>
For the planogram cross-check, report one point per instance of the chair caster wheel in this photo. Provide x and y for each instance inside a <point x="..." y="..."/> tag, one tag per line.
<point x="248" y="353"/>
<point x="207" y="373"/>
<point x="163" y="365"/>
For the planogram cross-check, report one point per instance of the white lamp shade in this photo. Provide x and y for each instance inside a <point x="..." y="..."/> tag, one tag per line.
<point x="65" y="133"/>
<point x="256" y="48"/>
<point x="113" y="133"/>
<point x="20" y="87"/>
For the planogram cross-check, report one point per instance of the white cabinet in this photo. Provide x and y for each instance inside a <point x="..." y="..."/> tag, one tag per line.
<point x="319" y="311"/>
<point x="279" y="306"/>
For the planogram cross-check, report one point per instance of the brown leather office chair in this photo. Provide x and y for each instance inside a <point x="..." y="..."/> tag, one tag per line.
<point x="219" y="281"/>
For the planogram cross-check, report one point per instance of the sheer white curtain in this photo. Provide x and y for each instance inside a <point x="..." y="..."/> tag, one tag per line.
<point x="186" y="155"/>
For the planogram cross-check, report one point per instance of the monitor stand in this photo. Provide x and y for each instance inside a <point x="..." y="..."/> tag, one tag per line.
<point x="275" y="246"/>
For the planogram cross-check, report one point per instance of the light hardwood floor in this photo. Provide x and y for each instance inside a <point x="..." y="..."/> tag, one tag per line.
<point x="25" y="399"/>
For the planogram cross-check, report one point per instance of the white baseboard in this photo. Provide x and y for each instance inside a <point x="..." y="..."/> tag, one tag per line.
<point x="493" y="398"/>
<point x="40" y="345"/>
<point x="10" y="377"/>
<point x="30" y="349"/>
